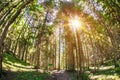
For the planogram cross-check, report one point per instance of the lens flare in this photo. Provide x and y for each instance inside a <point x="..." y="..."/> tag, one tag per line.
<point x="75" y="23"/>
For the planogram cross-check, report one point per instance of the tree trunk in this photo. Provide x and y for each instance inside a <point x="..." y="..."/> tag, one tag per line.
<point x="59" y="49"/>
<point x="26" y="53"/>
<point x="23" y="53"/>
<point x="80" y="50"/>
<point x="6" y="30"/>
<point x="38" y="52"/>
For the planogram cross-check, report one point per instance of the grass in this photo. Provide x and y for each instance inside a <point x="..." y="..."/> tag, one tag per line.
<point x="13" y="64"/>
<point x="31" y="76"/>
<point x="7" y="58"/>
<point x="19" y="70"/>
<point x="25" y="75"/>
<point x="76" y="76"/>
<point x="105" y="73"/>
<point x="109" y="62"/>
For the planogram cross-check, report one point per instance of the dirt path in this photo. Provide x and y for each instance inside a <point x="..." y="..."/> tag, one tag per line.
<point x="62" y="75"/>
<point x="59" y="75"/>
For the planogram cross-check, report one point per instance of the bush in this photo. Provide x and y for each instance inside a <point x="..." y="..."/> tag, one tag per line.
<point x="117" y="69"/>
<point x="83" y="77"/>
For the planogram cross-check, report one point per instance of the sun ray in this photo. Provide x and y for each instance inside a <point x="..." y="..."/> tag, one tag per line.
<point x="75" y="23"/>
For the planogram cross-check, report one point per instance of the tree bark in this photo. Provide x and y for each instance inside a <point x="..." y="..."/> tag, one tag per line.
<point x="3" y="36"/>
<point x="59" y="49"/>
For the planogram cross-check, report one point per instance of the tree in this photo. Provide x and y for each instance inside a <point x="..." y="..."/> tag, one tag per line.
<point x="3" y="36"/>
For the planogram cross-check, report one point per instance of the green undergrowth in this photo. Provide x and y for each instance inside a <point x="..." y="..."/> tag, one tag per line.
<point x="76" y="75"/>
<point x="13" y="64"/>
<point x="25" y="75"/>
<point x="83" y="76"/>
<point x="106" y="72"/>
<point x="10" y="59"/>
<point x="31" y="76"/>
<point x="109" y="62"/>
<point x="19" y="70"/>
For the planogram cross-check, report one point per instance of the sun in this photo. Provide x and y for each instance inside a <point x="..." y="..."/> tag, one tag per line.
<point x="75" y="23"/>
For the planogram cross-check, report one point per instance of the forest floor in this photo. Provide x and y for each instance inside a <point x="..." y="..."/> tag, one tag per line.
<point x="105" y="73"/>
<point x="18" y="70"/>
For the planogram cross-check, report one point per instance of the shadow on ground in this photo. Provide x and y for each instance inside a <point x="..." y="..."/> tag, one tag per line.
<point x="105" y="72"/>
<point x="25" y="75"/>
<point x="66" y="75"/>
<point x="34" y="75"/>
